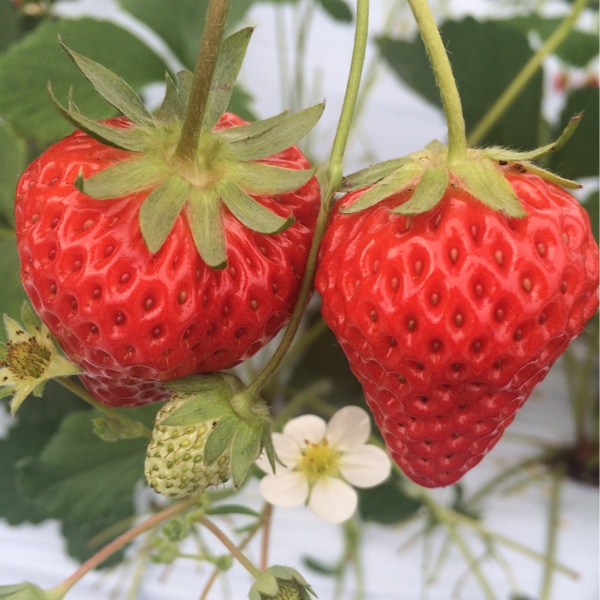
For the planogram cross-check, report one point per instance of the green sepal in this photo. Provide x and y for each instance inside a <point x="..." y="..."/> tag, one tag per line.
<point x="133" y="139"/>
<point x="203" y="383"/>
<point x="485" y="182"/>
<point x="172" y="109"/>
<point x="430" y="189"/>
<point x="251" y="213"/>
<point x="161" y="208"/>
<point x="397" y="181"/>
<point x="229" y="63"/>
<point x="29" y="318"/>
<point x="206" y="224"/>
<point x="550" y="176"/>
<point x="260" y="178"/>
<point x="241" y="134"/>
<point x="140" y="171"/>
<point x="370" y="175"/>
<point x="245" y="450"/>
<point x="220" y="438"/>
<point x="112" y="88"/>
<point x="267" y="586"/>
<point x="185" y="80"/>
<point x="278" y="138"/>
<point x="507" y="155"/>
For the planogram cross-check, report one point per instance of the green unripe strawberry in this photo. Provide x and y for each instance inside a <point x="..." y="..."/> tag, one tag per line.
<point x="175" y="464"/>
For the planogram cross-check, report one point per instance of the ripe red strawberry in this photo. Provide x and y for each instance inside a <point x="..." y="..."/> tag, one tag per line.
<point x="449" y="318"/>
<point x="132" y="318"/>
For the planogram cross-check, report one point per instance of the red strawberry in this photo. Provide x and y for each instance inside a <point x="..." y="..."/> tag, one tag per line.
<point x="132" y="318"/>
<point x="449" y="318"/>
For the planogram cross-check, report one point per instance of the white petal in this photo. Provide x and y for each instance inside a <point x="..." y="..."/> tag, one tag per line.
<point x="306" y="428"/>
<point x="288" y="489"/>
<point x="365" y="467"/>
<point x="332" y="500"/>
<point x="286" y="449"/>
<point x="349" y="428"/>
<point x="12" y="328"/>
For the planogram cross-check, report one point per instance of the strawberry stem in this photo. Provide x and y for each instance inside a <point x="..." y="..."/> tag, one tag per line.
<point x="334" y="182"/>
<point x="518" y="84"/>
<point x="451" y="103"/>
<point x="121" y="542"/>
<point x="214" y="29"/>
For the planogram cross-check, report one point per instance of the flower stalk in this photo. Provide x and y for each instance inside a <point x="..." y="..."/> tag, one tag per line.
<point x="214" y="30"/>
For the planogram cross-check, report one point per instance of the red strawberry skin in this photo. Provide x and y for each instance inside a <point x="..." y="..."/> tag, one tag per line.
<point x="451" y="317"/>
<point x="132" y="319"/>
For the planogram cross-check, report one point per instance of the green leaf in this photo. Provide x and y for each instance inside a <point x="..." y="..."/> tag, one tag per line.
<point x="94" y="482"/>
<point x="251" y="213"/>
<point x="284" y="134"/>
<point x="112" y="88"/>
<point x="338" y="9"/>
<point x="30" y="431"/>
<point x="25" y="591"/>
<point x="9" y="25"/>
<point x="206" y="223"/>
<point x="13" y="160"/>
<point x="23" y="91"/>
<point x="580" y="157"/>
<point x="485" y="58"/>
<point x="261" y="178"/>
<point x="387" y="503"/>
<point x="160" y="210"/>
<point x="430" y="189"/>
<point x="578" y="49"/>
<point x="227" y="69"/>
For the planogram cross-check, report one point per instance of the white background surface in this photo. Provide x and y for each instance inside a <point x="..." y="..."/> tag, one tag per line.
<point x="394" y="123"/>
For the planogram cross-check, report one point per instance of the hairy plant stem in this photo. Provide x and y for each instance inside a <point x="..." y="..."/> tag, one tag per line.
<point x="120" y="542"/>
<point x="552" y="539"/>
<point x="233" y="549"/>
<point x="518" y="84"/>
<point x="334" y="181"/>
<point x="214" y="29"/>
<point x="113" y="413"/>
<point x="451" y="103"/>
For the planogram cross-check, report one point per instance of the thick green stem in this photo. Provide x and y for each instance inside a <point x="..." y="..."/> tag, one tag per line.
<point x="121" y="542"/>
<point x="233" y="549"/>
<point x="518" y="84"/>
<point x="334" y="179"/>
<point x="107" y="410"/>
<point x="457" y="140"/>
<point x="214" y="29"/>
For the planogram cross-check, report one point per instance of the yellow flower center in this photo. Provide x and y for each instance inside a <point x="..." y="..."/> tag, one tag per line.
<point x="318" y="460"/>
<point x="27" y="360"/>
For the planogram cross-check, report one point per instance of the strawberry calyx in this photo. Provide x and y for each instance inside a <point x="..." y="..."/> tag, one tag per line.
<point x="429" y="172"/>
<point x="281" y="583"/>
<point x="225" y="170"/>
<point x="242" y="428"/>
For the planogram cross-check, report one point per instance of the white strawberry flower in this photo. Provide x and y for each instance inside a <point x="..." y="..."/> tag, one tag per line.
<point x="29" y="359"/>
<point x="323" y="462"/>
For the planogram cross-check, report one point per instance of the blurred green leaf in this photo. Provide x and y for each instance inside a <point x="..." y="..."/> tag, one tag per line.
<point x="9" y="25"/>
<point x="580" y="157"/>
<point x="12" y="295"/>
<point x="578" y="49"/>
<point x="80" y="478"/>
<point x="325" y="360"/>
<point x="338" y="9"/>
<point x="35" y="423"/>
<point x="180" y="24"/>
<point x="33" y="61"/>
<point x="485" y="57"/>
<point x="13" y="160"/>
<point x="387" y="503"/>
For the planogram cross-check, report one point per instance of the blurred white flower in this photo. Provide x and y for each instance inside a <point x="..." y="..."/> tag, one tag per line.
<point x="323" y="461"/>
